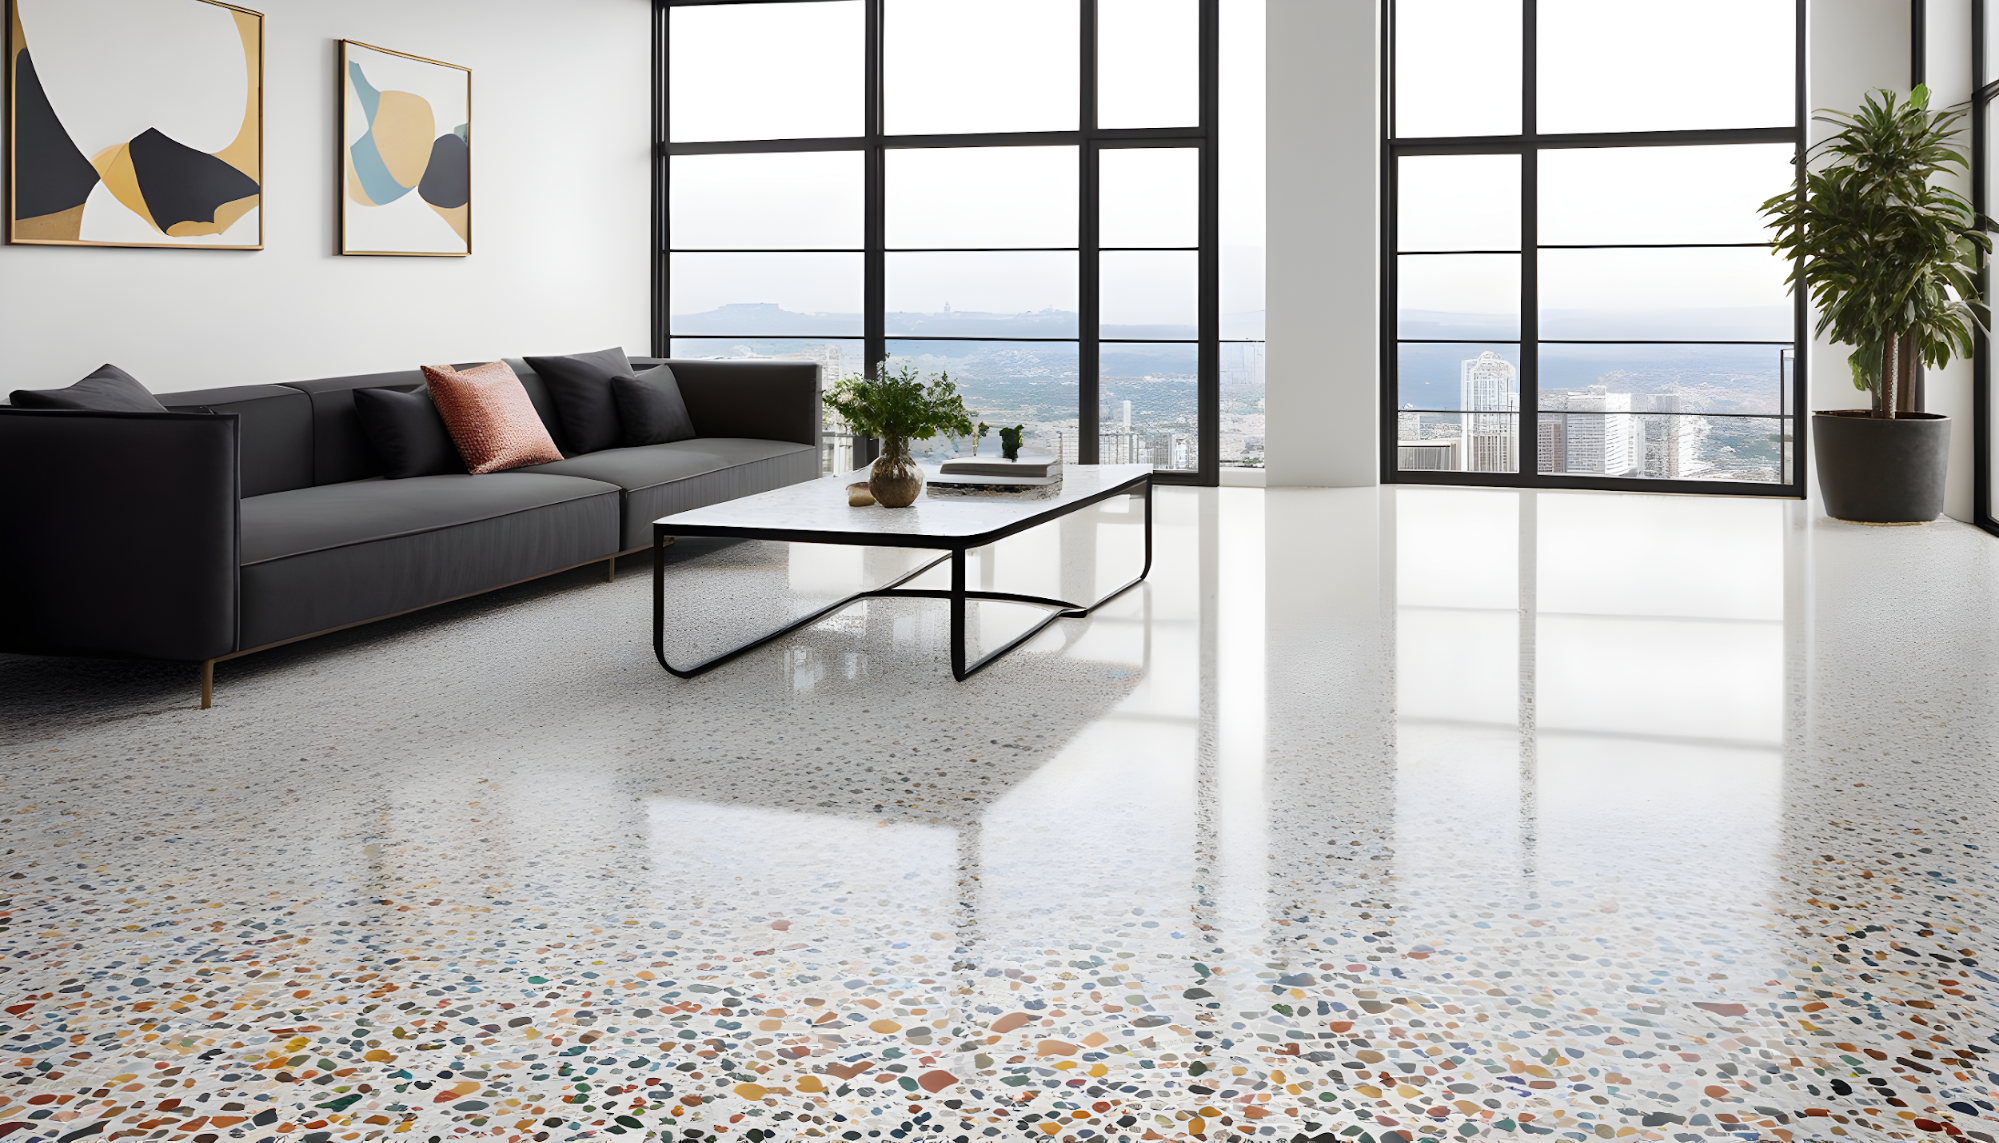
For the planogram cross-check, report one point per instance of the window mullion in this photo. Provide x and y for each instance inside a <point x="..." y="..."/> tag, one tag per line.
<point x="1089" y="313"/>
<point x="662" y="283"/>
<point x="1527" y="430"/>
<point x="1208" y="427"/>
<point x="874" y="263"/>
<point x="1981" y="375"/>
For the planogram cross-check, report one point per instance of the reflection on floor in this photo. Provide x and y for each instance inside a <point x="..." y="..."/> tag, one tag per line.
<point x="1374" y="815"/>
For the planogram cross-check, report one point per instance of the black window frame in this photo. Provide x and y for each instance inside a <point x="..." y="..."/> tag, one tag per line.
<point x="1983" y="90"/>
<point x="1795" y="415"/>
<point x="1089" y="139"/>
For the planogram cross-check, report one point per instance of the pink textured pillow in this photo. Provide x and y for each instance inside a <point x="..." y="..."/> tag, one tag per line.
<point x="490" y="417"/>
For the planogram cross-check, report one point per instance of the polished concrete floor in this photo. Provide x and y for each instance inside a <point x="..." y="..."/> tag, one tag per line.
<point x="1372" y="815"/>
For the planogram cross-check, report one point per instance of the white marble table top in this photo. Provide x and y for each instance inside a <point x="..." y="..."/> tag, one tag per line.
<point x="820" y="506"/>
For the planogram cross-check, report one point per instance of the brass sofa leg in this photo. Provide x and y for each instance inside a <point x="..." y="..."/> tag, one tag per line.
<point x="207" y="683"/>
<point x="611" y="570"/>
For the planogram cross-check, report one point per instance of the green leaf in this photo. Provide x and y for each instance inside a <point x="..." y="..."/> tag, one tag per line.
<point x="1866" y="365"/>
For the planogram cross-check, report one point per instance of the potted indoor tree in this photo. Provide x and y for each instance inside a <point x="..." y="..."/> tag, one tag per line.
<point x="893" y="408"/>
<point x="1891" y="261"/>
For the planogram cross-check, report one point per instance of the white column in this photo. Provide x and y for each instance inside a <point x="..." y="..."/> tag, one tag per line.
<point x="1322" y="274"/>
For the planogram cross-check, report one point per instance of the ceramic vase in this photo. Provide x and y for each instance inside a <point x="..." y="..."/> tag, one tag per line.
<point x="895" y="480"/>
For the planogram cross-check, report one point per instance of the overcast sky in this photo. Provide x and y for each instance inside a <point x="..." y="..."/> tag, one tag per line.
<point x="957" y="66"/>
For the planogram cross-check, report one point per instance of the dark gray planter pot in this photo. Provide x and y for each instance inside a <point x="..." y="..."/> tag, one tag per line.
<point x="1881" y="472"/>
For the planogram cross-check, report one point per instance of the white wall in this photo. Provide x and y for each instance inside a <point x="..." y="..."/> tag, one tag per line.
<point x="1322" y="368"/>
<point x="561" y="218"/>
<point x="1855" y="46"/>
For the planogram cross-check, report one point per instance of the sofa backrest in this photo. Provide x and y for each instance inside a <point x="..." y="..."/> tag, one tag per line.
<point x="298" y="434"/>
<point x="763" y="400"/>
<point x="276" y="432"/>
<point x="340" y="449"/>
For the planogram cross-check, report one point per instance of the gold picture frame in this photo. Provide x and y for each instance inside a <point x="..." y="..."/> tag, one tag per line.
<point x="405" y="154"/>
<point x="72" y="182"/>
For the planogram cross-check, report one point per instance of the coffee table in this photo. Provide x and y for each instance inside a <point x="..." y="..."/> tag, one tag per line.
<point x="816" y="512"/>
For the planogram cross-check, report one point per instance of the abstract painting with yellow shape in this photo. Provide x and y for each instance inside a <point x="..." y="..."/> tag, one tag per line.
<point x="406" y="154"/>
<point x="135" y="123"/>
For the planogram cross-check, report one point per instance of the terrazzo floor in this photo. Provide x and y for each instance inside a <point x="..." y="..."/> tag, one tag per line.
<point x="1375" y="815"/>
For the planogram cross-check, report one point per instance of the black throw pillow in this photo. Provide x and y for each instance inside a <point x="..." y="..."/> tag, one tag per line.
<point x="581" y="386"/>
<point x="407" y="432"/>
<point x="649" y="403"/>
<point x="108" y="389"/>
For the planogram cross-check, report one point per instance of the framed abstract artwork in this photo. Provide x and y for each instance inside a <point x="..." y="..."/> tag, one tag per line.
<point x="135" y="123"/>
<point x="406" y="154"/>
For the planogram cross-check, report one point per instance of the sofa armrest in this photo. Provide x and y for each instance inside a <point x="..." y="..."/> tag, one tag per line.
<point x="121" y="534"/>
<point x="762" y="400"/>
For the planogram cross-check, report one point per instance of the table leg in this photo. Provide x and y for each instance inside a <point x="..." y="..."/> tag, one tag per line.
<point x="659" y="597"/>
<point x="1064" y="609"/>
<point x="958" y="614"/>
<point x="709" y="664"/>
<point x="1148" y="531"/>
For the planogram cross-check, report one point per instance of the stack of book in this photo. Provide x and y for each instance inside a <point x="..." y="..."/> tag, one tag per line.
<point x="1033" y="476"/>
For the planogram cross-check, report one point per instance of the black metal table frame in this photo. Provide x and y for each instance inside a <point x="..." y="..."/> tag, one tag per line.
<point x="955" y="548"/>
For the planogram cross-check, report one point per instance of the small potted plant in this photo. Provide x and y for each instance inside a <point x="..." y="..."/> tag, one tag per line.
<point x="1891" y="261"/>
<point x="1010" y="441"/>
<point x="893" y="408"/>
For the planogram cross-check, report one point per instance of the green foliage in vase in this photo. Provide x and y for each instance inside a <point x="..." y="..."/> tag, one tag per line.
<point x="1890" y="260"/>
<point x="1010" y="441"/>
<point x="900" y="405"/>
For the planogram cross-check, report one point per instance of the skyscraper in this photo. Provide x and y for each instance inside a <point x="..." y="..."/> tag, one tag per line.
<point x="1600" y="434"/>
<point x="1491" y="408"/>
<point x="1672" y="442"/>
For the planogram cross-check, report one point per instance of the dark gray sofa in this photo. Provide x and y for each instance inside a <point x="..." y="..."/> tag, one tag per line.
<point x="256" y="515"/>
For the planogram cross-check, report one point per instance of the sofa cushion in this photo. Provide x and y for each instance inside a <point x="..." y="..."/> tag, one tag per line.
<point x="407" y="433"/>
<point x="651" y="408"/>
<point x="319" y="558"/>
<point x="108" y="389"/>
<point x="580" y="384"/>
<point x="276" y="436"/>
<point x="659" y="480"/>
<point x="492" y="419"/>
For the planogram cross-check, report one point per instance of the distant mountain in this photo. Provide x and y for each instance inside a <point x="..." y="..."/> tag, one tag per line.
<point x="1743" y="323"/>
<point x="768" y="319"/>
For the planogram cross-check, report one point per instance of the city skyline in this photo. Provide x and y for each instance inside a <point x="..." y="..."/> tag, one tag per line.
<point x="1032" y="382"/>
<point x="1617" y="426"/>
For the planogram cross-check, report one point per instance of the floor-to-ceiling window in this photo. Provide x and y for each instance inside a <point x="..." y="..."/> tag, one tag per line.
<point x="1583" y="291"/>
<point x="1026" y="195"/>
